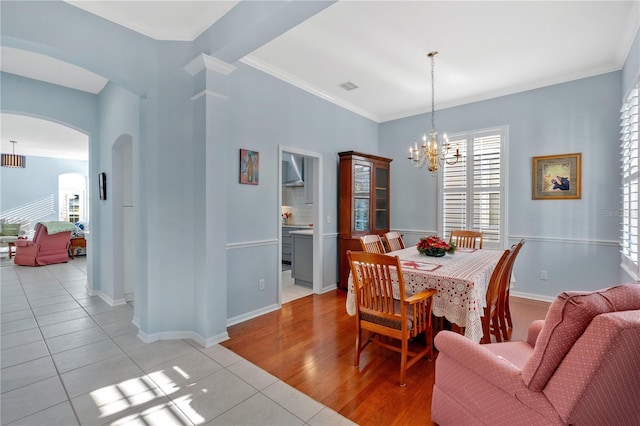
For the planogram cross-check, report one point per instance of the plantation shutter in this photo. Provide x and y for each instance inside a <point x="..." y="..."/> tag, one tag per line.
<point x="630" y="165"/>
<point x="472" y="189"/>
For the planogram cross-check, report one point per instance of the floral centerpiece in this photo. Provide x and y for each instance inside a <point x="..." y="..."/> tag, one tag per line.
<point x="435" y="246"/>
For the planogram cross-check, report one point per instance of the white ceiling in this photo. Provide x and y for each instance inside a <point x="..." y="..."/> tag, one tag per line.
<point x="42" y="138"/>
<point x="487" y="48"/>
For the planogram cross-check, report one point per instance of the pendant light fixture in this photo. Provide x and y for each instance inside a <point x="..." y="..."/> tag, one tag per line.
<point x="431" y="153"/>
<point x="13" y="160"/>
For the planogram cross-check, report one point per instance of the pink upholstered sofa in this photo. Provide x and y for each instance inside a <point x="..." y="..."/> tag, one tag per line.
<point x="579" y="366"/>
<point x="45" y="248"/>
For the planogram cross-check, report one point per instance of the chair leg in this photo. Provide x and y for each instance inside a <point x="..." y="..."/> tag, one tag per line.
<point x="358" y="348"/>
<point x="403" y="362"/>
<point x="507" y="315"/>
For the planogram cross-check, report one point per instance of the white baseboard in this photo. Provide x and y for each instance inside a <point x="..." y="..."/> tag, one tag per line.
<point x="250" y="315"/>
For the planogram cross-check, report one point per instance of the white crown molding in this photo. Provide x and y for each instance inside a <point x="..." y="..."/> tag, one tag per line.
<point x="301" y="84"/>
<point x="630" y="29"/>
<point x="203" y="61"/>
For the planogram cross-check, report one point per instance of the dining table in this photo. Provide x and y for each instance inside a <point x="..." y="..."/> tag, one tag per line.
<point x="460" y="279"/>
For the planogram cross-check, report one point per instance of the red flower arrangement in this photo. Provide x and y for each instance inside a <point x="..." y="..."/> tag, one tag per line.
<point x="435" y="246"/>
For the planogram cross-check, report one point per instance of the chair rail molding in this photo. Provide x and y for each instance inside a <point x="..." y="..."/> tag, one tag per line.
<point x="247" y="244"/>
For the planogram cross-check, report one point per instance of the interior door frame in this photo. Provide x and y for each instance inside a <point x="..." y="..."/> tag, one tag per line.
<point x="317" y="222"/>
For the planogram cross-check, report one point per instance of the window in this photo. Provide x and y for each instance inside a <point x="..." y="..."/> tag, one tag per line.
<point x="629" y="213"/>
<point x="473" y="189"/>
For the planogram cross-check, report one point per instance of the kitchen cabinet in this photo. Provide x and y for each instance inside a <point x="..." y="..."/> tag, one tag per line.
<point x="302" y="257"/>
<point x="363" y="203"/>
<point x="287" y="242"/>
<point x="308" y="180"/>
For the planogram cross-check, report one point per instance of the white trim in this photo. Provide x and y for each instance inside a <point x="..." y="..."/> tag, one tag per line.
<point x="531" y="296"/>
<point x="209" y="93"/>
<point x="332" y="287"/>
<point x="108" y="300"/>
<point x="186" y="335"/>
<point x="565" y="240"/>
<point x="258" y="64"/>
<point x="203" y="61"/>
<point x="528" y="238"/>
<point x="628" y="35"/>
<point x="248" y="244"/>
<point x="250" y="315"/>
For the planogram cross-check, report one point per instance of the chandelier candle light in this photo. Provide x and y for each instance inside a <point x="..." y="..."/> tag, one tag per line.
<point x="430" y="152"/>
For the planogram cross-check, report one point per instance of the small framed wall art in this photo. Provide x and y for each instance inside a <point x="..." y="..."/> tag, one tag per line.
<point x="102" y="185"/>
<point x="249" y="167"/>
<point x="557" y="177"/>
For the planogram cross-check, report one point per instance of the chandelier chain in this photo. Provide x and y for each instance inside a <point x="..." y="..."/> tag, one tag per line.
<point x="433" y="91"/>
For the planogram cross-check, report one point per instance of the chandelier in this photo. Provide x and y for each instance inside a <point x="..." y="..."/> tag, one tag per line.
<point x="13" y="160"/>
<point x="431" y="153"/>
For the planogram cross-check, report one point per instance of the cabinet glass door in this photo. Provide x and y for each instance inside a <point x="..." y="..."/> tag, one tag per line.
<point x="382" y="198"/>
<point x="361" y="197"/>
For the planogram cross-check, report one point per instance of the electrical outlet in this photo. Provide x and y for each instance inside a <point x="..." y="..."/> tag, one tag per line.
<point x="261" y="284"/>
<point x="543" y="275"/>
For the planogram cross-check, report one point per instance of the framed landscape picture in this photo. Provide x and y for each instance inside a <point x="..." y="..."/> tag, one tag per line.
<point x="557" y="177"/>
<point x="249" y="165"/>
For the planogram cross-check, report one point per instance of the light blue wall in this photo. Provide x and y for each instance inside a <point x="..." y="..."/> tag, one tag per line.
<point x="119" y="115"/>
<point x="264" y="113"/>
<point x="631" y="67"/>
<point x="575" y="241"/>
<point x="38" y="181"/>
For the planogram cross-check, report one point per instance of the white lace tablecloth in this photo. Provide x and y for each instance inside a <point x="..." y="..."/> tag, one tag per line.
<point x="461" y="281"/>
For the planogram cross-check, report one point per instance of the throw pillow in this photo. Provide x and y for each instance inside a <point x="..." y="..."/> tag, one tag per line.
<point x="10" y="229"/>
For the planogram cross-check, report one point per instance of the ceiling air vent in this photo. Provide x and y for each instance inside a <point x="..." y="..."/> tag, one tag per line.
<point x="348" y="86"/>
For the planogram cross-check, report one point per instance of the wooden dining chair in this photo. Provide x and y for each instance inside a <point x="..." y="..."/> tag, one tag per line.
<point x="490" y="319"/>
<point x="394" y="241"/>
<point x="466" y="239"/>
<point x="372" y="244"/>
<point x="380" y="314"/>
<point x="504" y="313"/>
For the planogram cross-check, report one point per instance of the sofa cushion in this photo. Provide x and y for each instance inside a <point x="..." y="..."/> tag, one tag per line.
<point x="568" y="316"/>
<point x="10" y="229"/>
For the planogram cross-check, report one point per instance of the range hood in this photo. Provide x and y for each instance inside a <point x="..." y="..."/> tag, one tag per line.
<point x="293" y="170"/>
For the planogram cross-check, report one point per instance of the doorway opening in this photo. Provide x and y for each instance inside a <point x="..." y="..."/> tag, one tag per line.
<point x="299" y="207"/>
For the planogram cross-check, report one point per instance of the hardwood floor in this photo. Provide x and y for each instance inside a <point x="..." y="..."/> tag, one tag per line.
<point x="310" y="344"/>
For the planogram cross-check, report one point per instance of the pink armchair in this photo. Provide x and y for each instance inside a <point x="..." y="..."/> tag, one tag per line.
<point x="44" y="249"/>
<point x="580" y="365"/>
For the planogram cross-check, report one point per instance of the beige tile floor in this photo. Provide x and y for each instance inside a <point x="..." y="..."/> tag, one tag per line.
<point x="70" y="359"/>
<point x="290" y="291"/>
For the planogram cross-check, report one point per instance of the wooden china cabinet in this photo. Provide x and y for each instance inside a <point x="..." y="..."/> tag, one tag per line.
<point x="363" y="203"/>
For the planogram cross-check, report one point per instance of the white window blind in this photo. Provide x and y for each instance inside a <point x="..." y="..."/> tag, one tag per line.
<point x="630" y="165"/>
<point x="473" y="195"/>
